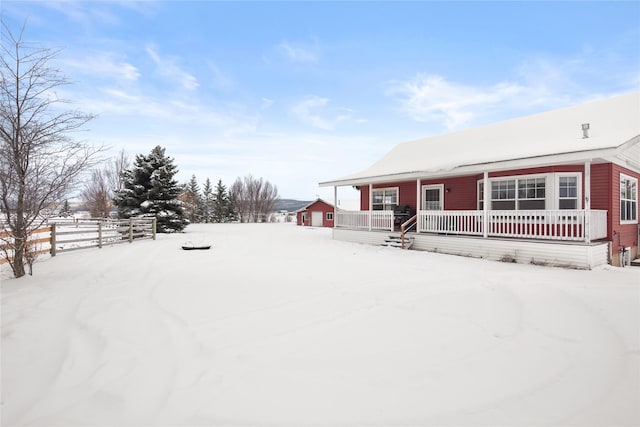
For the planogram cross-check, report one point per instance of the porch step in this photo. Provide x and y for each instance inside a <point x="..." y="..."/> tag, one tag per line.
<point x="396" y="242"/>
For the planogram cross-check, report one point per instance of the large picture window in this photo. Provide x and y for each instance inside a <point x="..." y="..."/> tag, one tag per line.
<point x="532" y="192"/>
<point x="628" y="199"/>
<point x="384" y="199"/>
<point x="519" y="193"/>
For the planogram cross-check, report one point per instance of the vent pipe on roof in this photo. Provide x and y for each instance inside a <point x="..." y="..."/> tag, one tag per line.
<point x="585" y="130"/>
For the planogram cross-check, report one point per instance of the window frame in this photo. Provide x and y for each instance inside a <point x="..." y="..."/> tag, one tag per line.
<point x="634" y="181"/>
<point x="551" y="189"/>
<point x="329" y="216"/>
<point x="385" y="206"/>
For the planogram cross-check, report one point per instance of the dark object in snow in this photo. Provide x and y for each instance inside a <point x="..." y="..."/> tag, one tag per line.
<point x="193" y="248"/>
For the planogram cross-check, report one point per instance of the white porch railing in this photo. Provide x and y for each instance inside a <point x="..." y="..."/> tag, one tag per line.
<point x="359" y="220"/>
<point x="530" y="224"/>
<point x="451" y="222"/>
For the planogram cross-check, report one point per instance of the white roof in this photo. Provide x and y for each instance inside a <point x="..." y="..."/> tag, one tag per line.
<point x="531" y="140"/>
<point x="304" y="208"/>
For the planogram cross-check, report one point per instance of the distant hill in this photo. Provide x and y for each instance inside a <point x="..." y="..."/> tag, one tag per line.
<point x="290" y="205"/>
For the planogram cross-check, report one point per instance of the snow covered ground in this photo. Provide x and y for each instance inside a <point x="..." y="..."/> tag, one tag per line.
<point x="280" y="325"/>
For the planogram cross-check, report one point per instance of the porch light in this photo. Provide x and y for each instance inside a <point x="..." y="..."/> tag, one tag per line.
<point x="585" y="130"/>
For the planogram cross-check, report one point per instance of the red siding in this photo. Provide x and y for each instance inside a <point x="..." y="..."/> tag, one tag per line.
<point x="461" y="194"/>
<point x="317" y="206"/>
<point x="601" y="195"/>
<point x="623" y="235"/>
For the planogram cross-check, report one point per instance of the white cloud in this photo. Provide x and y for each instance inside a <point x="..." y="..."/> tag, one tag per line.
<point x="168" y="67"/>
<point x="429" y="98"/>
<point x="307" y="112"/>
<point x="537" y="84"/>
<point x="105" y="64"/>
<point x="299" y="52"/>
<point x="266" y="103"/>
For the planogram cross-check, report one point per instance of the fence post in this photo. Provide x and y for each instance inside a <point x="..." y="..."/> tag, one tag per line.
<point x="130" y="230"/>
<point x="100" y="234"/>
<point x="153" y="227"/>
<point x="52" y="251"/>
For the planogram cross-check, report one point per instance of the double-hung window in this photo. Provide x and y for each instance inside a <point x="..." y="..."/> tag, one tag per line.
<point x="628" y="199"/>
<point x="531" y="193"/>
<point x="503" y="194"/>
<point x="384" y="199"/>
<point x="568" y="192"/>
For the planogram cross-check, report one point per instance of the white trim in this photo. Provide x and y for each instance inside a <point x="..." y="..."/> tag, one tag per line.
<point x="632" y="179"/>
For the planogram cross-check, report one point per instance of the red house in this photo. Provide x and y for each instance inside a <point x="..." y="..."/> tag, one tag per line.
<point x="316" y="214"/>
<point x="556" y="188"/>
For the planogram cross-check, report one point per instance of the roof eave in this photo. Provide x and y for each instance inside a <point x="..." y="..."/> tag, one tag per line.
<point x="470" y="169"/>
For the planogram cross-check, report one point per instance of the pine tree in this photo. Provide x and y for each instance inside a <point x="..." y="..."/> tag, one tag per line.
<point x="207" y="202"/>
<point x="222" y="211"/>
<point x="150" y="189"/>
<point x="192" y="200"/>
<point x="65" y="211"/>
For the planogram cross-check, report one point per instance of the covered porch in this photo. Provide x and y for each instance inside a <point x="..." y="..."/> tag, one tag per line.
<point x="540" y="215"/>
<point x="578" y="225"/>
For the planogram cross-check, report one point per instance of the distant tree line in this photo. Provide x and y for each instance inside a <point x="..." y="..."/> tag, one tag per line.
<point x="248" y="200"/>
<point x="148" y="187"/>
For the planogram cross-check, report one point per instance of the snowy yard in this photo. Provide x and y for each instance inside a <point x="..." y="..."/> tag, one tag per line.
<point x="280" y="325"/>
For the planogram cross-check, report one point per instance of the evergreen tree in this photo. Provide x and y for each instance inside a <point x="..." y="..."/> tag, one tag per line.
<point x="65" y="211"/>
<point x="207" y="202"/>
<point x="150" y="189"/>
<point x="192" y="200"/>
<point x="222" y="211"/>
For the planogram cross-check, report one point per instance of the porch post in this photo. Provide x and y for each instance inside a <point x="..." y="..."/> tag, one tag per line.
<point x="335" y="198"/>
<point x="370" y="204"/>
<point x="485" y="205"/>
<point x="587" y="201"/>
<point x="418" y="203"/>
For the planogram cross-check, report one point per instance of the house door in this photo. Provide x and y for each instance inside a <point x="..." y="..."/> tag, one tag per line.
<point x="316" y="219"/>
<point x="433" y="197"/>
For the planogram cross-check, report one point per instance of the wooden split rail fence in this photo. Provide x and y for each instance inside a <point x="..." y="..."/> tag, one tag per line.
<point x="66" y="236"/>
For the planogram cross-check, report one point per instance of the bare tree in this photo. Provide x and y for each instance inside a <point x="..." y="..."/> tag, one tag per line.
<point x="239" y="200"/>
<point x="39" y="161"/>
<point x="99" y="189"/>
<point x="253" y="199"/>
<point x="267" y="199"/>
<point x="97" y="194"/>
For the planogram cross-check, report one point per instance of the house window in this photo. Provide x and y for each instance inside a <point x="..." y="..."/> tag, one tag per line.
<point x="384" y="199"/>
<point x="523" y="193"/>
<point x="568" y="192"/>
<point x="503" y="194"/>
<point x="329" y="216"/>
<point x="531" y="193"/>
<point x="628" y="199"/>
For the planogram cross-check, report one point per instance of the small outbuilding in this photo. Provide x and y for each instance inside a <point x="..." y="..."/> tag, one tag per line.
<point x="316" y="214"/>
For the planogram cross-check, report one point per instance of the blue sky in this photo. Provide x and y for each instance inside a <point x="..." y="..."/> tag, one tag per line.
<point x="302" y="92"/>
